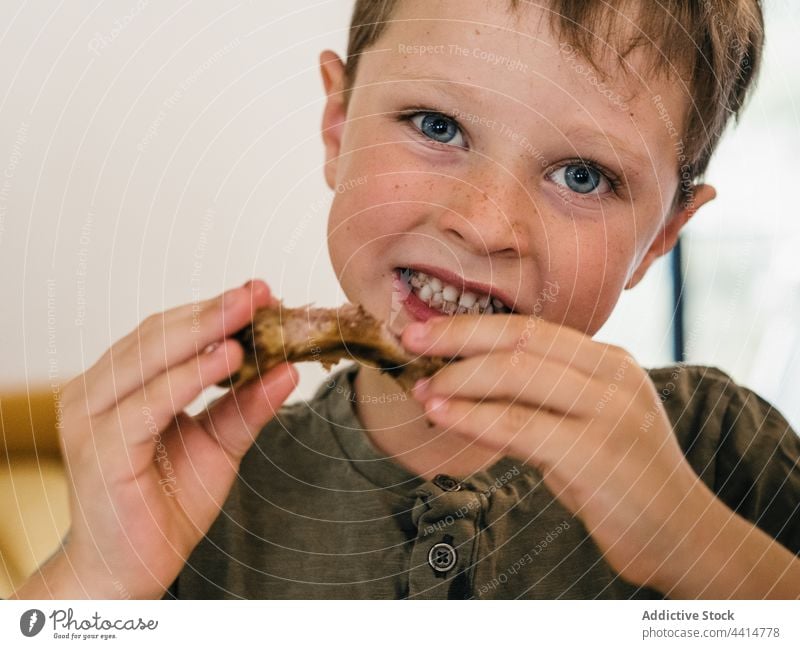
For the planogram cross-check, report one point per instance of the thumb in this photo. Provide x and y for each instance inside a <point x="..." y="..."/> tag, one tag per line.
<point x="236" y="419"/>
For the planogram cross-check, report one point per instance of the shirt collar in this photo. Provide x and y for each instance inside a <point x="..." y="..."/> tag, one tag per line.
<point x="337" y="399"/>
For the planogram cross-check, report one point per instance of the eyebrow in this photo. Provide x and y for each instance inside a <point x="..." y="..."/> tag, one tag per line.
<point x="598" y="138"/>
<point x="453" y="86"/>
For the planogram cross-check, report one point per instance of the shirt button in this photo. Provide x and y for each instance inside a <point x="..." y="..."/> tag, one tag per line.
<point x="446" y="483"/>
<point x="442" y="557"/>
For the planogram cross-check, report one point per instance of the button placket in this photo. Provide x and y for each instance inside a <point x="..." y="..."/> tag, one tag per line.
<point x="446" y="483"/>
<point x="445" y="515"/>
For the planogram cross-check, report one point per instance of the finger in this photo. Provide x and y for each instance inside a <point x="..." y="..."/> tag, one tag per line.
<point x="531" y="435"/>
<point x="236" y="419"/>
<point x="527" y="378"/>
<point x="204" y="462"/>
<point x="468" y="335"/>
<point x="167" y="339"/>
<point x="143" y="415"/>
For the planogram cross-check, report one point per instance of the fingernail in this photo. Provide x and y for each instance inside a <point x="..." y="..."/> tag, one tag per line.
<point x="421" y="388"/>
<point x="210" y="349"/>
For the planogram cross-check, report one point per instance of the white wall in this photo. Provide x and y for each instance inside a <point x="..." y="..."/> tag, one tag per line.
<point x="151" y="153"/>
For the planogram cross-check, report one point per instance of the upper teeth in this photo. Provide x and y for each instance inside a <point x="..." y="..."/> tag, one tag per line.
<point x="448" y="298"/>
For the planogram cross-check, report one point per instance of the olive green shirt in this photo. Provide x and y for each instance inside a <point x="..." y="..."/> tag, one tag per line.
<point x="319" y="512"/>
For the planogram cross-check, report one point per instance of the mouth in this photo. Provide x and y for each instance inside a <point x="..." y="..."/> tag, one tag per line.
<point x="432" y="291"/>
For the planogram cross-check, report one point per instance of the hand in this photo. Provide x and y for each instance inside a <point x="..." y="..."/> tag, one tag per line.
<point x="584" y="414"/>
<point x="146" y="479"/>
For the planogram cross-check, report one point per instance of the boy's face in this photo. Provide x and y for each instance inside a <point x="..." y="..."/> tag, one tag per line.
<point x="502" y="191"/>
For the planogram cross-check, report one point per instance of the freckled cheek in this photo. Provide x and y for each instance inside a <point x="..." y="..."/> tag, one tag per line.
<point x="590" y="273"/>
<point x="605" y="277"/>
<point x="369" y="223"/>
<point x="383" y="205"/>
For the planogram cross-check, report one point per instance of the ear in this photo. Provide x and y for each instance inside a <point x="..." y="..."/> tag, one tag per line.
<point x="335" y="114"/>
<point x="667" y="237"/>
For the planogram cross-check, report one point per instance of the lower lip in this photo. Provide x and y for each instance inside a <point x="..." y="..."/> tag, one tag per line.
<point x="415" y="306"/>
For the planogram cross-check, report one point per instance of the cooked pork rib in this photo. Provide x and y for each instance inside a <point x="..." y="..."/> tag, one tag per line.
<point x="278" y="334"/>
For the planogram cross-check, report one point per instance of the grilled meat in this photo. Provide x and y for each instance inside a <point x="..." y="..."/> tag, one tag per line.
<point x="278" y="334"/>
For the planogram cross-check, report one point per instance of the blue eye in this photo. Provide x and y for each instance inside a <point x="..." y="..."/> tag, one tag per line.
<point x="439" y="128"/>
<point x="581" y="179"/>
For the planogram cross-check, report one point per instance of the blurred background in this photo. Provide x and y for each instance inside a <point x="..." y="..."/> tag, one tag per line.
<point x="154" y="153"/>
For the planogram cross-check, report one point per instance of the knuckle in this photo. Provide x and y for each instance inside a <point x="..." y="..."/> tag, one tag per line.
<point x="79" y="440"/>
<point x="153" y="322"/>
<point x="519" y="362"/>
<point x="72" y="390"/>
<point x="523" y="370"/>
<point x="614" y="360"/>
<point x="151" y="419"/>
<point x="615" y="351"/>
<point x="110" y="424"/>
<point x="141" y="338"/>
<point x="516" y="357"/>
<point x="531" y="365"/>
<point x="73" y="402"/>
<point x="118" y="350"/>
<point x="67" y="435"/>
<point x="516" y="417"/>
<point x="615" y="408"/>
<point x="156" y="328"/>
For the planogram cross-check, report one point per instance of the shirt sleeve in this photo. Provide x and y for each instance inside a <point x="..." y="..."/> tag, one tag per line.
<point x="172" y="591"/>
<point x="758" y="467"/>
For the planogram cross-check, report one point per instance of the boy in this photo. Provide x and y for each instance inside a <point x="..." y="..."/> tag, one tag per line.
<point x="533" y="159"/>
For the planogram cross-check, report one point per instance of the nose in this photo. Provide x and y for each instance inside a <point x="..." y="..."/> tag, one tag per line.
<point x="488" y="216"/>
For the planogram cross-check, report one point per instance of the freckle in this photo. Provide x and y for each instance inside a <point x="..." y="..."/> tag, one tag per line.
<point x="397" y="186"/>
<point x="477" y="32"/>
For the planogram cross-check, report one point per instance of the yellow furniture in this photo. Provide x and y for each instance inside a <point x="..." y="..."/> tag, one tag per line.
<point x="34" y="504"/>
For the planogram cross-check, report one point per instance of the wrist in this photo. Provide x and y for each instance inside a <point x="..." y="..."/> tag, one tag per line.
<point x="723" y="556"/>
<point x="64" y="577"/>
<point x="50" y="581"/>
<point x="692" y="534"/>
